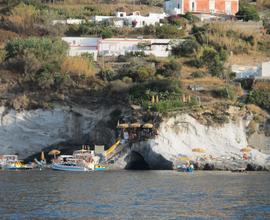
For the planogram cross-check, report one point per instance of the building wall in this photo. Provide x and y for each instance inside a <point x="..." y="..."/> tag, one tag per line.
<point x="203" y="6"/>
<point x="81" y="45"/>
<point x="265" y="71"/>
<point x="118" y="46"/>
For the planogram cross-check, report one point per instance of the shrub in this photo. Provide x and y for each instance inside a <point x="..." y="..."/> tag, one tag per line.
<point x="2" y="55"/>
<point x="227" y="92"/>
<point x="187" y="48"/>
<point x="127" y="80"/>
<point x="44" y="49"/>
<point x="198" y="74"/>
<point x="170" y="69"/>
<point x="177" y="20"/>
<point x="138" y="72"/>
<point x="144" y="73"/>
<point x="248" y="12"/>
<point x="78" y="66"/>
<point x="190" y="17"/>
<point x="266" y="24"/>
<point x="212" y="60"/>
<point x="169" y="31"/>
<point x="21" y="19"/>
<point x="165" y="88"/>
<point x="260" y="97"/>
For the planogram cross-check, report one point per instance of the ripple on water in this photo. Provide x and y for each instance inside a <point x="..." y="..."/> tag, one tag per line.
<point x="139" y="195"/>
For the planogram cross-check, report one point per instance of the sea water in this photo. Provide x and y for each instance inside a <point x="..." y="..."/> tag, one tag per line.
<point x="134" y="195"/>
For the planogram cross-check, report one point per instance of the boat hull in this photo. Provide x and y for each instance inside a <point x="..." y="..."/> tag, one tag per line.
<point x="61" y="167"/>
<point x="100" y="169"/>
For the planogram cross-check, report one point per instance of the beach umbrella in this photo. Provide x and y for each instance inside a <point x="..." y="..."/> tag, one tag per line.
<point x="148" y="125"/>
<point x="198" y="150"/>
<point x="54" y="152"/>
<point x="135" y="125"/>
<point x="246" y="149"/>
<point x="42" y="156"/>
<point x="123" y="126"/>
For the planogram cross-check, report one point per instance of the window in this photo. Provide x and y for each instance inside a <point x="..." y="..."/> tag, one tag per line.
<point x="193" y="6"/>
<point x="228" y="7"/>
<point x="178" y="6"/>
<point x="212" y="6"/>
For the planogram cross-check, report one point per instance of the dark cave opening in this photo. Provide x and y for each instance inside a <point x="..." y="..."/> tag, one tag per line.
<point x="135" y="161"/>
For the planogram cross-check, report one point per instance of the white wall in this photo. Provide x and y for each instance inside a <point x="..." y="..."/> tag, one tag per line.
<point x="117" y="46"/>
<point x="265" y="70"/>
<point x="121" y="46"/>
<point x="245" y="71"/>
<point x="80" y="45"/>
<point x="174" y="7"/>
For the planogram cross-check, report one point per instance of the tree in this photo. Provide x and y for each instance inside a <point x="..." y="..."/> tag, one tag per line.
<point x="248" y="12"/>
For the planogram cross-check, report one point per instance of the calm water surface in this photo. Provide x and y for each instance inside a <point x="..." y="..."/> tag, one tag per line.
<point x="134" y="195"/>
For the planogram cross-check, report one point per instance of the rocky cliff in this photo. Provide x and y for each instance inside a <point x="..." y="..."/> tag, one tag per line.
<point x="178" y="135"/>
<point x="28" y="132"/>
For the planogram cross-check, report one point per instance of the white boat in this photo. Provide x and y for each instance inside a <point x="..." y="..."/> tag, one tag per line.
<point x="81" y="160"/>
<point x="68" y="166"/>
<point x="6" y="160"/>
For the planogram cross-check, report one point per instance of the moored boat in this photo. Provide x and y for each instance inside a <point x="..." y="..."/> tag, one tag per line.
<point x="99" y="167"/>
<point x="185" y="168"/>
<point x="11" y="162"/>
<point x="68" y="166"/>
<point x="81" y="160"/>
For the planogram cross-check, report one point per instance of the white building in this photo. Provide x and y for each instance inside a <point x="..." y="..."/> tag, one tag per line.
<point x="136" y="20"/>
<point x="119" y="46"/>
<point x="120" y="19"/>
<point x="81" y="45"/>
<point x="264" y="70"/>
<point x="261" y="70"/>
<point x="174" y="7"/>
<point x="122" y="46"/>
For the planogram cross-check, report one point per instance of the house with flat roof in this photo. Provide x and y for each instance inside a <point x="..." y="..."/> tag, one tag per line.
<point x="119" y="46"/>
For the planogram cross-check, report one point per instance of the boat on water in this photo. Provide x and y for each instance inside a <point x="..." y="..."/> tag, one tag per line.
<point x="18" y="165"/>
<point x="81" y="160"/>
<point x="68" y="166"/>
<point x="99" y="167"/>
<point x="185" y="168"/>
<point x="11" y="162"/>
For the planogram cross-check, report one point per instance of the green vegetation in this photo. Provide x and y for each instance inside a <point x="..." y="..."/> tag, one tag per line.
<point x="247" y="12"/>
<point x="227" y="92"/>
<point x="260" y="95"/>
<point x="170" y="69"/>
<point x="266" y="24"/>
<point x="187" y="49"/>
<point x="40" y="64"/>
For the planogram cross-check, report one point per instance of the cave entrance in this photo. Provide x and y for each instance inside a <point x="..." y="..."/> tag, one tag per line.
<point x="135" y="161"/>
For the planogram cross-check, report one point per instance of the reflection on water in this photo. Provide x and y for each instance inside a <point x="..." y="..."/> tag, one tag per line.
<point x="134" y="194"/>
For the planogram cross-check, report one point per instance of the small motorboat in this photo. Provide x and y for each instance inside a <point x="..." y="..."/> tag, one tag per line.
<point x="68" y="166"/>
<point x="99" y="167"/>
<point x="184" y="168"/>
<point x="18" y="165"/>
